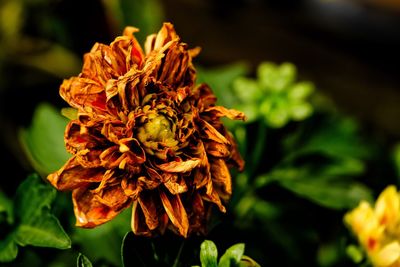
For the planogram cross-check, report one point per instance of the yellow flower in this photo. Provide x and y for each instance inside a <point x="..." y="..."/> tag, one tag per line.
<point x="387" y="209"/>
<point x="387" y="256"/>
<point x="378" y="228"/>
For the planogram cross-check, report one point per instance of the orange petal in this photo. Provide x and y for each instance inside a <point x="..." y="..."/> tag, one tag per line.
<point x="209" y="132"/>
<point x="102" y="64"/>
<point x="135" y="151"/>
<point x="113" y="197"/>
<point x="149" y="208"/>
<point x="179" y="166"/>
<point x="175" y="183"/>
<point x="82" y="93"/>
<point x="157" y="41"/>
<point x="89" y="212"/>
<point x="214" y="197"/>
<point x="201" y="177"/>
<point x="138" y="225"/>
<point x="128" y="48"/>
<point x="72" y="175"/>
<point x="205" y="97"/>
<point x="217" y="149"/>
<point x="175" y="211"/>
<point x="220" y="176"/>
<point x="131" y="187"/>
<point x="122" y="92"/>
<point x="235" y="159"/>
<point x="197" y="214"/>
<point x="148" y="183"/>
<point x="219" y="111"/>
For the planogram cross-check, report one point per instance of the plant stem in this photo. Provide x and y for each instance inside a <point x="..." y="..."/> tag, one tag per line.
<point x="258" y="149"/>
<point x="176" y="262"/>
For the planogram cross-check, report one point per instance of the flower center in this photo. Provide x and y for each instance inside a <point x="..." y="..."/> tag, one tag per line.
<point x="157" y="129"/>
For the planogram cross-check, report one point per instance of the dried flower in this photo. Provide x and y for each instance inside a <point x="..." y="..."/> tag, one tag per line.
<point x="146" y="136"/>
<point x="378" y="228"/>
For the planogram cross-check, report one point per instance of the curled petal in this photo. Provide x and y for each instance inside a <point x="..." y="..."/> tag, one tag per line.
<point x="213" y="197"/>
<point x="211" y="133"/>
<point x="113" y="130"/>
<point x="80" y="137"/>
<point x="176" y="212"/>
<point x="131" y="187"/>
<point x="149" y="209"/>
<point x="84" y="94"/>
<point x="197" y="214"/>
<point x="122" y="92"/>
<point x="138" y="225"/>
<point x="235" y="159"/>
<point x="109" y="179"/>
<point x="179" y="166"/>
<point x="113" y="197"/>
<point x="128" y="48"/>
<point x="175" y="183"/>
<point x="89" y="212"/>
<point x="222" y="178"/>
<point x="72" y="175"/>
<point x="219" y="111"/>
<point x="218" y="150"/>
<point x="148" y="183"/>
<point x="157" y="41"/>
<point x="133" y="149"/>
<point x="111" y="157"/>
<point x="204" y="96"/>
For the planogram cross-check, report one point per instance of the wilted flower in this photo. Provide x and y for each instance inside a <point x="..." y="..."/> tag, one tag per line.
<point x="378" y="229"/>
<point x="146" y="136"/>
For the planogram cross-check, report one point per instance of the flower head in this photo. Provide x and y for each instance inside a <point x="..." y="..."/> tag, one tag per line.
<point x="146" y="136"/>
<point x="378" y="228"/>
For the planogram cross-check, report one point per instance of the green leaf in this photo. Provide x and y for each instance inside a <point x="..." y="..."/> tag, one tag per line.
<point x="343" y="166"/>
<point x="5" y="208"/>
<point x="331" y="194"/>
<point x="208" y="254"/>
<point x="8" y="249"/>
<point x="43" y="141"/>
<point x="83" y="261"/>
<point x="43" y="231"/>
<point x="31" y="198"/>
<point x="32" y="211"/>
<point x="334" y="135"/>
<point x="355" y="253"/>
<point x="232" y="256"/>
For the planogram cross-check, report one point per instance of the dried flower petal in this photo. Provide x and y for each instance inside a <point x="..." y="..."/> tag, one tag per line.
<point x="145" y="135"/>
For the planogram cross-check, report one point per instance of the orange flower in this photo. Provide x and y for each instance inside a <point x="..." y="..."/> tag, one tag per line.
<point x="146" y="136"/>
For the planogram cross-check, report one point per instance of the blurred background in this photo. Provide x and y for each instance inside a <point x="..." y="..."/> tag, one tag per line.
<point x="350" y="49"/>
